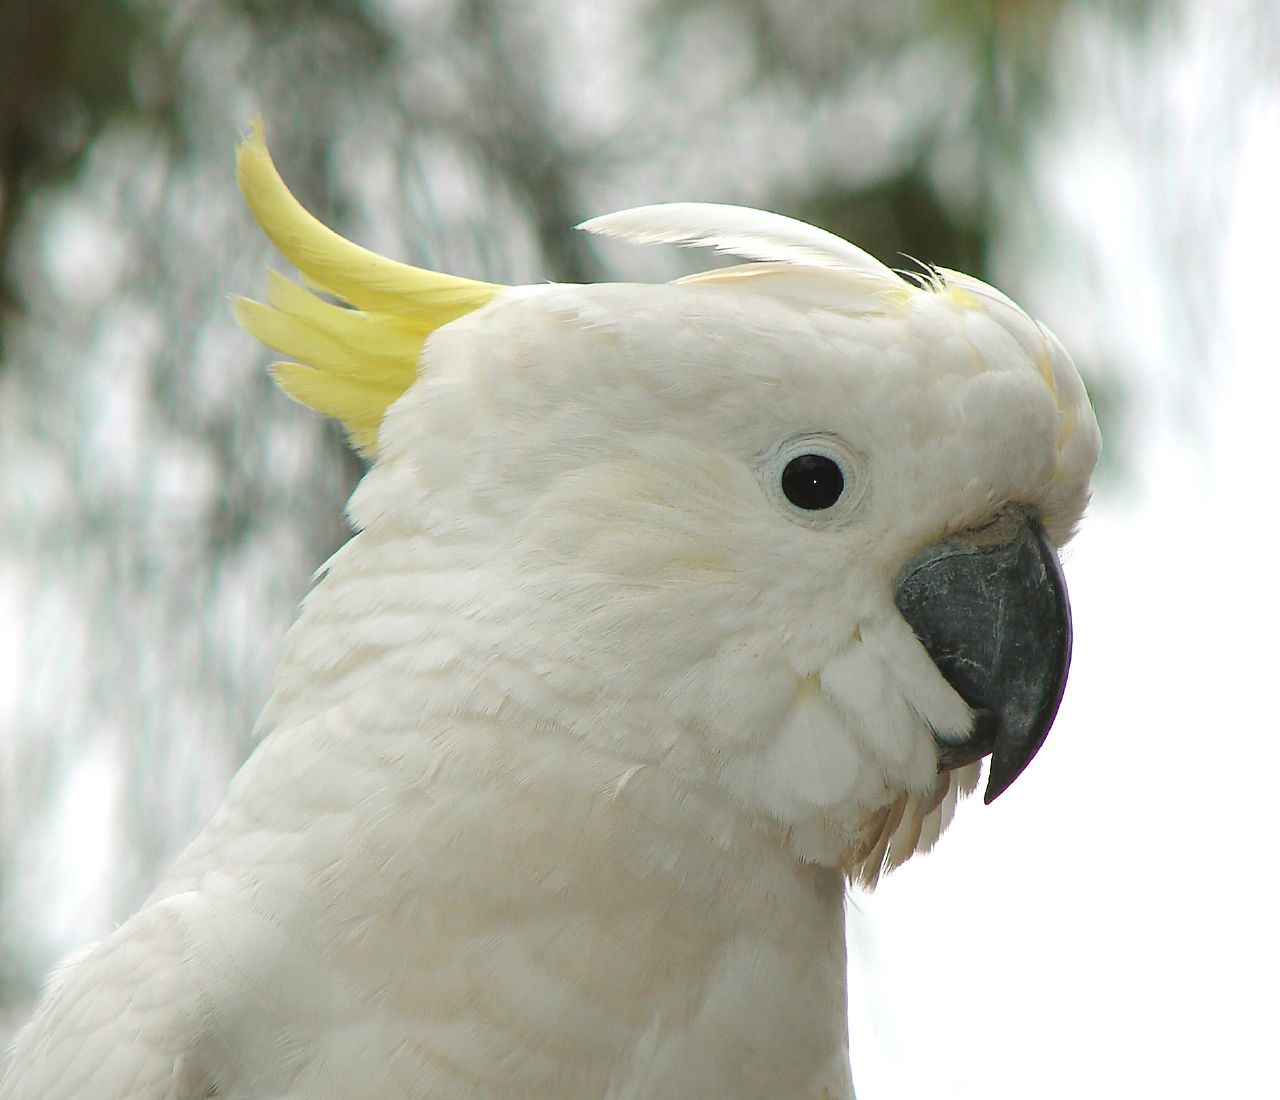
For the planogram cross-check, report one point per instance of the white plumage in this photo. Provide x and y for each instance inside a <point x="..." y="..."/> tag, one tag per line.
<point x="738" y="231"/>
<point x="574" y="743"/>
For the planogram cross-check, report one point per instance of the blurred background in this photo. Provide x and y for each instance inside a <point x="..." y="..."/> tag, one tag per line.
<point x="1108" y="926"/>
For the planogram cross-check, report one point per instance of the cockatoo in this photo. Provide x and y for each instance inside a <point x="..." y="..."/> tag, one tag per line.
<point x="669" y="609"/>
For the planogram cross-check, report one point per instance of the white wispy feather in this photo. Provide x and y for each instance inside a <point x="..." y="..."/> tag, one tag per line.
<point x="739" y="231"/>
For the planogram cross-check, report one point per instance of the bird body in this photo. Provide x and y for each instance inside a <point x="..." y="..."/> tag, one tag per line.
<point x="574" y="744"/>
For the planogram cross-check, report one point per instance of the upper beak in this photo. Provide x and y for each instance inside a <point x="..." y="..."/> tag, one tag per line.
<point x="990" y="607"/>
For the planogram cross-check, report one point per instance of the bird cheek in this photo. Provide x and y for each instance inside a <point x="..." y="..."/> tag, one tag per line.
<point x="810" y="764"/>
<point x="871" y="703"/>
<point x="737" y="699"/>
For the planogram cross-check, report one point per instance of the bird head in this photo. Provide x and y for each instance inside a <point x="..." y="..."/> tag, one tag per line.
<point x="788" y="529"/>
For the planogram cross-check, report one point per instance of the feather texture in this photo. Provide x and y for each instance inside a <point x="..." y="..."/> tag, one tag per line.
<point x="351" y="364"/>
<point x="739" y="231"/>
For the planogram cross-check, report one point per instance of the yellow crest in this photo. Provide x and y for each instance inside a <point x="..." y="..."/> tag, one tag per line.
<point x="349" y="363"/>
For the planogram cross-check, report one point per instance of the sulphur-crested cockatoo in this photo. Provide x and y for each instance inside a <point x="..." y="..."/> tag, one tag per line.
<point x="669" y="608"/>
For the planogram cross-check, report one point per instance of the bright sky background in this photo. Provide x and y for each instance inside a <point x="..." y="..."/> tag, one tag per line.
<point x="1109" y="926"/>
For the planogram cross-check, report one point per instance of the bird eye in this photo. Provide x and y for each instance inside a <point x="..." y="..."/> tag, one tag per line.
<point x="812" y="482"/>
<point x="817" y="479"/>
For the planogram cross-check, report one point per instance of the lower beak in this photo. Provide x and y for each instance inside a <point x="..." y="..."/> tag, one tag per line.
<point x="990" y="607"/>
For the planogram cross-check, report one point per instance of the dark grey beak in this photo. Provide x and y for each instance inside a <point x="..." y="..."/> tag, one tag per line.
<point x="990" y="607"/>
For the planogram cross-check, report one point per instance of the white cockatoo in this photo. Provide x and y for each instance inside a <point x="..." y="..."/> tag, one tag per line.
<point x="669" y="609"/>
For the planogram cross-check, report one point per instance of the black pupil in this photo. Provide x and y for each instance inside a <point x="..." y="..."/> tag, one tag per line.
<point x="812" y="482"/>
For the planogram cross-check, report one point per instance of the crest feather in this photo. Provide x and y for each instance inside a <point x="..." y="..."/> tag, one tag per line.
<point x="350" y="363"/>
<point x="739" y="231"/>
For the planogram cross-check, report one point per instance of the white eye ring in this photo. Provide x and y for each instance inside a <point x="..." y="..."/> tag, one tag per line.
<point x="815" y="479"/>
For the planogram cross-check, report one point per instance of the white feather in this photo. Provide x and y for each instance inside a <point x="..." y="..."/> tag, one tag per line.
<point x="739" y="231"/>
